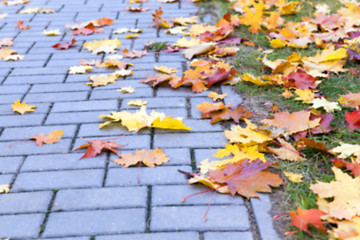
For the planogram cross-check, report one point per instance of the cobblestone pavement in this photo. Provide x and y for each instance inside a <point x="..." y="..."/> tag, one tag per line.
<point x="54" y="195"/>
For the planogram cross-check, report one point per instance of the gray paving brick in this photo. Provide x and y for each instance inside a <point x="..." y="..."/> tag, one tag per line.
<point x="148" y="176"/>
<point x="6" y="178"/>
<point x="59" y="87"/>
<point x="233" y="96"/>
<point x="40" y="108"/>
<point x="70" y="238"/>
<point x="27" y="225"/>
<point x="197" y="126"/>
<point x="26" y="148"/>
<point x="112" y="94"/>
<point x="30" y="202"/>
<point x="193" y="140"/>
<point x="191" y="218"/>
<point x="18" y="133"/>
<point x="179" y="92"/>
<point x="10" y="98"/>
<point x="201" y="154"/>
<point x="262" y="211"/>
<point x="34" y="79"/>
<point x="153" y="236"/>
<point x="97" y="222"/>
<point x="129" y="142"/>
<point x="170" y="102"/>
<point x="161" y="197"/>
<point x="39" y="71"/>
<point x="76" y="106"/>
<point x="93" y="130"/>
<point x="55" y="97"/>
<point x="228" y="235"/>
<point x="13" y="89"/>
<point x="28" y="181"/>
<point x="100" y="198"/>
<point x="74" y="117"/>
<point x="10" y="164"/>
<point x="196" y="113"/>
<point x="48" y="162"/>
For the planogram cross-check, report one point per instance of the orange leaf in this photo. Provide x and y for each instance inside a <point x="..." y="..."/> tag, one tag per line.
<point x="64" y="45"/>
<point x="21" y="25"/>
<point x="150" y="158"/>
<point x="94" y="147"/>
<point x="53" y="137"/>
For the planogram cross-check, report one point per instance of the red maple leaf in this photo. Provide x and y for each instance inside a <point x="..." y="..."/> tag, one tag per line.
<point x="96" y="146"/>
<point x="354" y="168"/>
<point x="300" y="79"/>
<point x="302" y="218"/>
<point x="64" y="45"/>
<point x="353" y="120"/>
<point x="219" y="75"/>
<point x="89" y="29"/>
<point x="246" y="178"/>
<point x="105" y="21"/>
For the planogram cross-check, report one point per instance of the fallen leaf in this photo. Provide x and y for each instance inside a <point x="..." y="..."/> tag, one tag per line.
<point x="21" y="26"/>
<point x="53" y="137"/>
<point x="137" y="9"/>
<point x="15" y="2"/>
<point x="133" y="53"/>
<point x="293" y="177"/>
<point x="165" y="69"/>
<point x="305" y="95"/>
<point x="94" y="147"/>
<point x="221" y="188"/>
<point x="22" y="107"/>
<point x="169" y="123"/>
<point x="53" y="32"/>
<point x="354" y="168"/>
<point x="344" y="193"/>
<point x="87" y="30"/>
<point x="215" y="96"/>
<point x="286" y="152"/>
<point x="184" y="21"/>
<point x="350" y="100"/>
<point x="323" y="103"/>
<point x="347" y="150"/>
<point x="122" y="73"/>
<point x="6" y="42"/>
<point x="37" y="10"/>
<point x="103" y="46"/>
<point x="64" y="45"/>
<point x="4" y="188"/>
<point x="131" y="36"/>
<point x="197" y="50"/>
<point x="246" y="178"/>
<point x="14" y="57"/>
<point x="137" y="103"/>
<point x="79" y="69"/>
<point x="126" y="90"/>
<point x="150" y="158"/>
<point x="101" y="80"/>
<point x="353" y="120"/>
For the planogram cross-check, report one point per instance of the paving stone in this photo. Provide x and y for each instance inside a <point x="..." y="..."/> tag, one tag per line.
<point x="190" y="218"/>
<point x="148" y="176"/>
<point x="228" y="235"/>
<point x="201" y="154"/>
<point x="74" y="117"/>
<point x="262" y="211"/>
<point x="193" y="140"/>
<point x="59" y="87"/>
<point x="153" y="236"/>
<point x="112" y="94"/>
<point x="25" y="133"/>
<point x="76" y="106"/>
<point x="29" y="202"/>
<point x="161" y="197"/>
<point x="129" y="142"/>
<point x="10" y="98"/>
<point x="196" y="113"/>
<point x="8" y="89"/>
<point x="48" y="71"/>
<point x="175" y="102"/>
<point x="48" y="162"/>
<point x="27" y="225"/>
<point x="93" y="130"/>
<point x="232" y="96"/>
<point x="70" y="238"/>
<point x="10" y="164"/>
<point x="196" y="126"/>
<point x="112" y="221"/>
<point x="40" y="108"/>
<point x="29" y="181"/>
<point x="26" y="148"/>
<point x="6" y="178"/>
<point x="34" y="79"/>
<point x="21" y="120"/>
<point x="55" y="97"/>
<point x="100" y="198"/>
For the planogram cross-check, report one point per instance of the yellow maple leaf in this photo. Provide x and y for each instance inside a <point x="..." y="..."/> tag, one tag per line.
<point x="251" y="78"/>
<point x="253" y="16"/>
<point x="215" y="96"/>
<point x="6" y="52"/>
<point x="169" y="123"/>
<point x="22" y="107"/>
<point x="103" y="46"/>
<point x="137" y="103"/>
<point x="278" y="43"/>
<point x="79" y="69"/>
<point x="53" y="32"/>
<point x="293" y="177"/>
<point x="126" y="90"/>
<point x="337" y="55"/>
<point x="185" y="20"/>
<point x="101" y="80"/>
<point x="347" y="150"/>
<point x="286" y="94"/>
<point x="323" y="103"/>
<point x="183" y="42"/>
<point x="165" y="69"/>
<point x="207" y="182"/>
<point x="4" y="188"/>
<point x="122" y="73"/>
<point x="131" y="36"/>
<point x="290" y="8"/>
<point x="176" y="30"/>
<point x="305" y="95"/>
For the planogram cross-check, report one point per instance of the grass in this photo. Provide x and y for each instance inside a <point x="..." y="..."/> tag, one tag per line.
<point x="317" y="167"/>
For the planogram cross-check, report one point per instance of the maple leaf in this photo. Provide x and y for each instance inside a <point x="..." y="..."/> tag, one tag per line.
<point x="350" y="100"/>
<point x="195" y="78"/>
<point x="150" y="158"/>
<point x="87" y="30"/>
<point x="300" y="79"/>
<point x="173" y="80"/>
<point x="64" y="45"/>
<point x="6" y="42"/>
<point x="133" y="53"/>
<point x="185" y="20"/>
<point x="104" y="21"/>
<point x="305" y="95"/>
<point x="344" y="192"/>
<point x="183" y="42"/>
<point x="101" y="80"/>
<point x="21" y="26"/>
<point x="158" y="21"/>
<point x="137" y="9"/>
<point x="311" y="143"/>
<point x="54" y="32"/>
<point x="53" y="137"/>
<point x="4" y="188"/>
<point x="293" y="177"/>
<point x="94" y="147"/>
<point x="126" y="90"/>
<point x="37" y="10"/>
<point x="15" y="2"/>
<point x="79" y="69"/>
<point x="353" y="120"/>
<point x="165" y="69"/>
<point x="286" y="152"/>
<point x="231" y="41"/>
<point x="122" y="73"/>
<point x="216" y="36"/>
<point x="6" y="52"/>
<point x="103" y="46"/>
<point x="354" y="168"/>
<point x="137" y="103"/>
<point x="218" y="76"/>
<point x="328" y="106"/>
<point x="169" y="123"/>
<point x="215" y="96"/>
<point x="292" y="122"/>
<point x="246" y="178"/>
<point x="347" y="150"/>
<point x="253" y="17"/>
<point x="22" y="107"/>
<point x="303" y="217"/>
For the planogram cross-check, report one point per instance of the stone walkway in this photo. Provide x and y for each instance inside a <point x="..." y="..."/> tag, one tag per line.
<point x="54" y="195"/>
